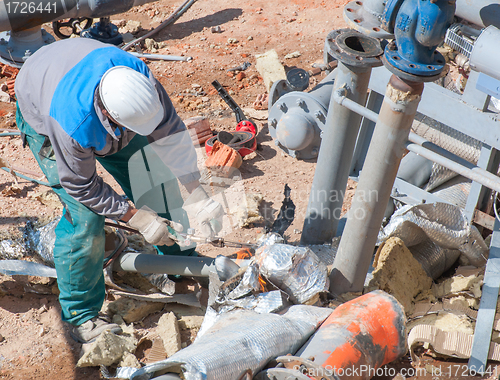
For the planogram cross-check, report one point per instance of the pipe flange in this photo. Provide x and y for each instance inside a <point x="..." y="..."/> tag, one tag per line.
<point x="367" y="21"/>
<point x="413" y="71"/>
<point x="296" y="122"/>
<point x="16" y="47"/>
<point x="103" y="31"/>
<point x="354" y="48"/>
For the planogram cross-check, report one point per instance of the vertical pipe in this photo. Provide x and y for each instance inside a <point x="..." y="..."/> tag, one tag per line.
<point x="334" y="159"/>
<point x="375" y="185"/>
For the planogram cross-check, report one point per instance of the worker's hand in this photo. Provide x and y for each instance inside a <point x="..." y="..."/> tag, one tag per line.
<point x="153" y="227"/>
<point x="207" y="212"/>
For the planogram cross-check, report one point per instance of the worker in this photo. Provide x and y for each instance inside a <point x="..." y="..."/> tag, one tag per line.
<point x="80" y="101"/>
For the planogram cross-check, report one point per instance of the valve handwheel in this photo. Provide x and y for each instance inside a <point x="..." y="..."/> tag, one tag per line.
<point x="76" y="25"/>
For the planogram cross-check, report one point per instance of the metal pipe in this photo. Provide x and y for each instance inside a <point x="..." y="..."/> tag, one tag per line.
<point x="335" y="154"/>
<point x="9" y="170"/>
<point x="340" y="97"/>
<point x="428" y="149"/>
<point x="479" y="12"/>
<point x="486" y="53"/>
<point x="473" y="172"/>
<point x="13" y="18"/>
<point x="161" y="57"/>
<point x="169" y="20"/>
<point x="375" y="185"/>
<point x="175" y="265"/>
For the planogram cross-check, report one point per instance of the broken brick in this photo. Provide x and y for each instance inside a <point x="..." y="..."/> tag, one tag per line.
<point x="9" y="72"/>
<point x="240" y="76"/>
<point x="230" y="74"/>
<point x="223" y="159"/>
<point x="199" y="129"/>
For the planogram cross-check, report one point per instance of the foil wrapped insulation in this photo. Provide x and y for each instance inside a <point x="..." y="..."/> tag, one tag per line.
<point x="295" y="270"/>
<point x="241" y="341"/>
<point x="443" y="224"/>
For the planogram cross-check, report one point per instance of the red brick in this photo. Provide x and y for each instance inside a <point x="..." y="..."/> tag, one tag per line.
<point x="240" y="76"/>
<point x="223" y="159"/>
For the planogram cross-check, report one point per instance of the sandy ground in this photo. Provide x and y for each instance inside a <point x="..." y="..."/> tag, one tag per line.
<point x="34" y="343"/>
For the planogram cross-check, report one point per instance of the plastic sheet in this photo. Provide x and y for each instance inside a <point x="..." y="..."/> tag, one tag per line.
<point x="241" y="285"/>
<point x="295" y="270"/>
<point x="270" y="239"/>
<point x="441" y="223"/>
<point x="10" y="250"/>
<point x="269" y="302"/>
<point x="242" y="341"/>
<point x="21" y="267"/>
<point x="225" y="267"/>
<point x="161" y="281"/>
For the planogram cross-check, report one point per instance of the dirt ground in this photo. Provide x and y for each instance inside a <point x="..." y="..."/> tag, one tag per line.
<point x="34" y="343"/>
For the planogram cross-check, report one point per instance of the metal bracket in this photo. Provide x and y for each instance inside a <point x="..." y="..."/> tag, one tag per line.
<point x="487" y="307"/>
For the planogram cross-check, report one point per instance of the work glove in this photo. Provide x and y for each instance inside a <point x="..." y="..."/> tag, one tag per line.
<point x="206" y="211"/>
<point x="154" y="228"/>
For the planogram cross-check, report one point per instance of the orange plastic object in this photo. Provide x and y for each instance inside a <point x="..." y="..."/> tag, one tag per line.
<point x="359" y="337"/>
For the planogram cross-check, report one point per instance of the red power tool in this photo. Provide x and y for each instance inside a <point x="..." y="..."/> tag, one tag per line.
<point x="243" y="139"/>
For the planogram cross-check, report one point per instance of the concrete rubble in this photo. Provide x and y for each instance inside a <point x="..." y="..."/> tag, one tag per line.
<point x="132" y="310"/>
<point x="168" y="329"/>
<point x="131" y="26"/>
<point x="270" y="68"/>
<point x="108" y="349"/>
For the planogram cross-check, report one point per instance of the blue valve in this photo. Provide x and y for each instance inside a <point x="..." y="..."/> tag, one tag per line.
<point x="419" y="26"/>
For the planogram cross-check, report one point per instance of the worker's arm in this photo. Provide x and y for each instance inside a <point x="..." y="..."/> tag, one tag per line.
<point x="76" y="167"/>
<point x="172" y="143"/>
<point x="190" y="187"/>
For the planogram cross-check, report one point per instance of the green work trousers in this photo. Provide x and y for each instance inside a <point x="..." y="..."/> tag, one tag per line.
<point x="79" y="244"/>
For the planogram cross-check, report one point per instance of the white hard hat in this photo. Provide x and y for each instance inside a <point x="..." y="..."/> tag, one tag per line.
<point x="131" y="99"/>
